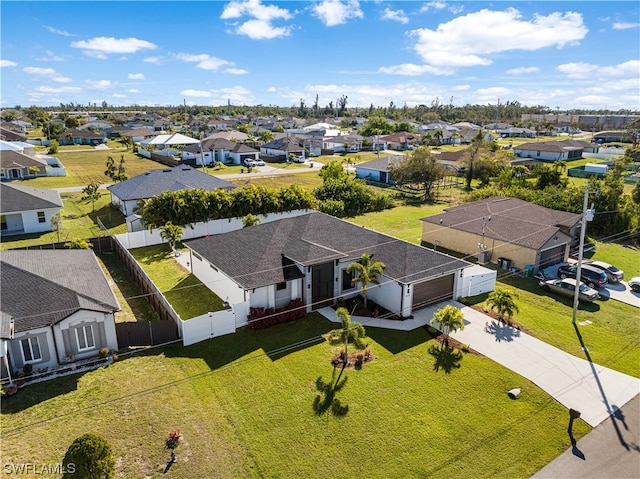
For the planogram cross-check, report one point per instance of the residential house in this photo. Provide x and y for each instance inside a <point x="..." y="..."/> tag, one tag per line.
<point x="283" y="147"/>
<point x="218" y="125"/>
<point x="378" y="170"/>
<point x="212" y="150"/>
<point x="81" y="137"/>
<point x="233" y="135"/>
<point x="401" y="140"/>
<point x="24" y="209"/>
<point x="126" y="194"/>
<point x="100" y="125"/>
<point x="73" y="316"/>
<point x="175" y="141"/>
<point x="306" y="257"/>
<point x="498" y="229"/>
<point x="561" y="150"/>
<point x="137" y="135"/>
<point x="343" y="143"/>
<point x="9" y="135"/>
<point x="16" y="165"/>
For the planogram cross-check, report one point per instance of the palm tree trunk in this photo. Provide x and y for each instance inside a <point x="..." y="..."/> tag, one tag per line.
<point x="344" y="362"/>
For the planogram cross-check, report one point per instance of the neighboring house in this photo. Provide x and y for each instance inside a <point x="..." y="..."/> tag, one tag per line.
<point x="562" y="150"/>
<point x="378" y="170"/>
<point x="283" y="146"/>
<point x="219" y="125"/>
<point x="24" y="209"/>
<point x="16" y="165"/>
<point x="212" y="150"/>
<point x="138" y="135"/>
<point x="126" y="194"/>
<point x="81" y="137"/>
<point x="100" y="125"/>
<point x="343" y="143"/>
<point x="516" y="132"/>
<point x="73" y="315"/>
<point x="611" y="136"/>
<point x="500" y="228"/>
<point x="233" y="135"/>
<point x="401" y="140"/>
<point x="173" y="141"/>
<point x="451" y="159"/>
<point x="306" y="257"/>
<point x="10" y="135"/>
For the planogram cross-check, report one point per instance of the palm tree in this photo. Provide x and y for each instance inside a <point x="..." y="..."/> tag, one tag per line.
<point x="366" y="272"/>
<point x="265" y="136"/>
<point x="349" y="331"/>
<point x="503" y="301"/>
<point x="438" y="136"/>
<point x="172" y="234"/>
<point x="449" y="319"/>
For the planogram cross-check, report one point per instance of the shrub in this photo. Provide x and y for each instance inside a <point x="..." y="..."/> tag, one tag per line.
<point x="174" y="439"/>
<point x="341" y="303"/>
<point x="465" y="348"/>
<point x="90" y="457"/>
<point x="27" y="369"/>
<point x="104" y="352"/>
<point x="260" y="318"/>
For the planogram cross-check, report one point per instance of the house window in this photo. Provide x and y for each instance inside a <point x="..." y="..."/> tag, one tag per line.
<point x="84" y="334"/>
<point x="41" y="217"/>
<point x="30" y="349"/>
<point x="281" y="286"/>
<point x="347" y="280"/>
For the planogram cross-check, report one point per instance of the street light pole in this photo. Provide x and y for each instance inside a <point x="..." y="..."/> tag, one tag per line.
<point x="587" y="215"/>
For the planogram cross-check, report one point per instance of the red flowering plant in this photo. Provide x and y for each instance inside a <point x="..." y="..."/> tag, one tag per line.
<point x="174" y="439"/>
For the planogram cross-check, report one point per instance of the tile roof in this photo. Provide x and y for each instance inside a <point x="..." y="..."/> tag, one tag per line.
<point x="154" y="182"/>
<point x="506" y="219"/>
<point x="253" y="256"/>
<point x="17" y="198"/>
<point x="65" y="281"/>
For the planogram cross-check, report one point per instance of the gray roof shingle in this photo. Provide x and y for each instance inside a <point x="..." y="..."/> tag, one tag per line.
<point x="17" y="198"/>
<point x="511" y="220"/>
<point x="381" y="164"/>
<point x="154" y="182"/>
<point x="64" y="282"/>
<point x="253" y="256"/>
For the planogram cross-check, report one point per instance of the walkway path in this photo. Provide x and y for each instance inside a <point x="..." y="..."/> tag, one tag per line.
<point x="595" y="391"/>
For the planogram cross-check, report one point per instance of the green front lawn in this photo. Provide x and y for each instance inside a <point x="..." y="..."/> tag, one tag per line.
<point x="415" y="411"/>
<point x="186" y="293"/>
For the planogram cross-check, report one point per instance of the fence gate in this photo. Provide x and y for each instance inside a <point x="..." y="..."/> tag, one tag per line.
<point x="146" y="333"/>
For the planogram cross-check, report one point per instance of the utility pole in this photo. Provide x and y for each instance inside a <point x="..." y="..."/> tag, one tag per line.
<point x="587" y="215"/>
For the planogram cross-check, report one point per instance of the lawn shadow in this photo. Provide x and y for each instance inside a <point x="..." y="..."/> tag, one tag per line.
<point x="275" y="342"/>
<point x="396" y="341"/>
<point x="326" y="399"/>
<point x="446" y="358"/>
<point x="37" y="393"/>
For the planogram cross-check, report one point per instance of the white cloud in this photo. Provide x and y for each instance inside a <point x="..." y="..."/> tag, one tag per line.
<point x="100" y="84"/>
<point x="259" y="26"/>
<point x="135" y="76"/>
<point x="582" y="70"/>
<point x="236" y="71"/>
<point x="7" y="63"/>
<point x="132" y="90"/>
<point x="100" y="47"/>
<point x="395" y="15"/>
<point x="522" y="70"/>
<point x="337" y="12"/>
<point x="50" y="57"/>
<point x="59" y="32"/>
<point x="432" y="6"/>
<point x="48" y="73"/>
<point x="157" y="60"/>
<point x="203" y="60"/>
<point x="411" y="69"/>
<point x="119" y="95"/>
<point x="196" y="93"/>
<point x="468" y="40"/>
<point x="625" y="25"/>
<point x="62" y="89"/>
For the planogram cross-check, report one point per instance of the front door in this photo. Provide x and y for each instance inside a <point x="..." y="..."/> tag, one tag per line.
<point x="322" y="285"/>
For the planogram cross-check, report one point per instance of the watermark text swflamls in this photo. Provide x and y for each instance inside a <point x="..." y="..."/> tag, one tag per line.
<point x="34" y="468"/>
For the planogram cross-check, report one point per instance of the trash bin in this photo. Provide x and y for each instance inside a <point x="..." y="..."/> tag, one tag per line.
<point x="504" y="263"/>
<point x="528" y="270"/>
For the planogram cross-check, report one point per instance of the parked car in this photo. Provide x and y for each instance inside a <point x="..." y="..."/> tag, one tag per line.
<point x="259" y="162"/>
<point x="592" y="277"/>
<point x="249" y="162"/>
<point x="634" y="284"/>
<point x="614" y="275"/>
<point x="298" y="159"/>
<point x="567" y="287"/>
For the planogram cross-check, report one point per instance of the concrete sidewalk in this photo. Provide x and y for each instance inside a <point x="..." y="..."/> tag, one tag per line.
<point x="595" y="391"/>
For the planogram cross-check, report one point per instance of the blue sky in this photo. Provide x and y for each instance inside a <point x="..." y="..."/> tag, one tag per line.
<point x="567" y="55"/>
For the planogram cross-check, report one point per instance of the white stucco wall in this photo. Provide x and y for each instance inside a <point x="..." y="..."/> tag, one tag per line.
<point x="88" y="317"/>
<point x="32" y="225"/>
<point x="50" y="359"/>
<point x="215" y="280"/>
<point x="388" y="294"/>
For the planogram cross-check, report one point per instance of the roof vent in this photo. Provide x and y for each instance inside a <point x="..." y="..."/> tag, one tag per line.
<point x="167" y="171"/>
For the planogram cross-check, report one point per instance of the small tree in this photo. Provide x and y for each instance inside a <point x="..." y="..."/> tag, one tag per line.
<point x="250" y="220"/>
<point x="366" y="272"/>
<point x="172" y="234"/>
<point x="56" y="224"/>
<point x="449" y="319"/>
<point x="90" y="457"/>
<point x="354" y="332"/>
<point x="503" y="301"/>
<point x="53" y="147"/>
<point x="78" y="244"/>
<point x="90" y="192"/>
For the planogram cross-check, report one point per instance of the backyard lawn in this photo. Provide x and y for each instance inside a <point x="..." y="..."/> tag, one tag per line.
<point x="186" y="293"/>
<point x="415" y="411"/>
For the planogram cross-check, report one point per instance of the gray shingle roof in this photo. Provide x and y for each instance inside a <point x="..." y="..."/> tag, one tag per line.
<point x="18" y="159"/>
<point x="253" y="256"/>
<point x="380" y="164"/>
<point x="17" y="198"/>
<point x="512" y="220"/>
<point x="154" y="182"/>
<point x="42" y="287"/>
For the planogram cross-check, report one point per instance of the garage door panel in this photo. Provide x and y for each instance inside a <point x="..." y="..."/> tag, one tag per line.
<point x="433" y="291"/>
<point x="552" y="256"/>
